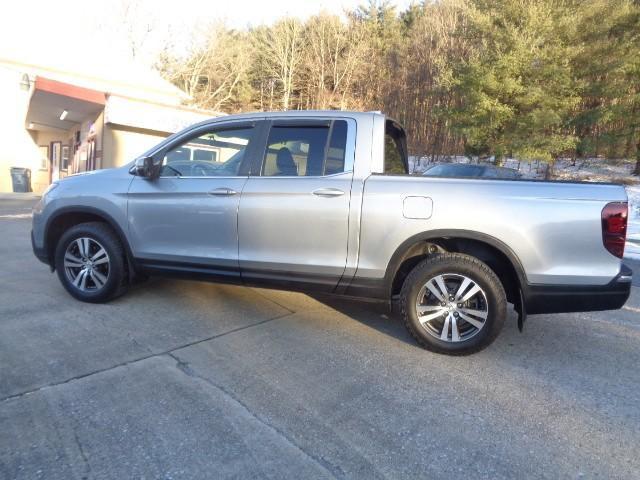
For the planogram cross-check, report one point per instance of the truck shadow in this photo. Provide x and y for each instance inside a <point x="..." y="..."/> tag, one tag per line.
<point x="378" y="316"/>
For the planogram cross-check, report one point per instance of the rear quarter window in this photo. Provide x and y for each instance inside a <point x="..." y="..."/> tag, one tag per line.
<point x="393" y="158"/>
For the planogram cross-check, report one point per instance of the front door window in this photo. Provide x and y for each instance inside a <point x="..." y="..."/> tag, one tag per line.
<point x="213" y="154"/>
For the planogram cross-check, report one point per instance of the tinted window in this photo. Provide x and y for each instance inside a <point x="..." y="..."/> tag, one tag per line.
<point x="213" y="154"/>
<point x="500" y="172"/>
<point x="337" y="148"/>
<point x="504" y="172"/>
<point x="393" y="158"/>
<point x="459" y="170"/>
<point x="303" y="151"/>
<point x="395" y="149"/>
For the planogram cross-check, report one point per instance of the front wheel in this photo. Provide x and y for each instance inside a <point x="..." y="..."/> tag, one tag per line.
<point x="90" y="262"/>
<point x="453" y="303"/>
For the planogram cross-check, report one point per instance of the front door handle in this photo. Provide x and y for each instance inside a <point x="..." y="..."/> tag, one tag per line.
<point x="222" y="191"/>
<point x="328" y="192"/>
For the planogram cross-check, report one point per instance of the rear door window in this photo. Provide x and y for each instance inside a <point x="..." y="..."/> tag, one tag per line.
<point x="336" y="153"/>
<point x="305" y="150"/>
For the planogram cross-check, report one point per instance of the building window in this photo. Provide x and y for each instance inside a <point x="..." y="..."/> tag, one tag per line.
<point x="44" y="157"/>
<point x="65" y="157"/>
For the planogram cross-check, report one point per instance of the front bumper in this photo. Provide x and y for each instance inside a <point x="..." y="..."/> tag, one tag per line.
<point x="39" y="252"/>
<point x="583" y="298"/>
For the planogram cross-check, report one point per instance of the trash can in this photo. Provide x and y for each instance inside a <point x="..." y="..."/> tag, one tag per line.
<point x="21" y="179"/>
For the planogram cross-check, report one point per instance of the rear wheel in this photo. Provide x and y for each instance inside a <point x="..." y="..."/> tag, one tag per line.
<point x="453" y="303"/>
<point x="90" y="262"/>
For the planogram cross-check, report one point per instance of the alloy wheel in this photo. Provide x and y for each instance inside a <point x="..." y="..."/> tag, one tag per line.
<point x="452" y="307"/>
<point x="86" y="264"/>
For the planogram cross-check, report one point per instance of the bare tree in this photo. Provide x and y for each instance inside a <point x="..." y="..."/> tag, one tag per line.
<point x="213" y="70"/>
<point x="334" y="54"/>
<point x="279" y="49"/>
<point x="138" y="25"/>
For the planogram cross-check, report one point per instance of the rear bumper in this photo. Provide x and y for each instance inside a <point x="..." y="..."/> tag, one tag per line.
<point x="587" y="298"/>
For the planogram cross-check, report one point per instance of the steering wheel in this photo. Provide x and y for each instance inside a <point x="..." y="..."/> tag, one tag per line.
<point x="200" y="171"/>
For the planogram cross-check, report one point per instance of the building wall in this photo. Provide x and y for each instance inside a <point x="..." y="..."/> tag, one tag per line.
<point x="122" y="144"/>
<point x="39" y="176"/>
<point x="18" y="148"/>
<point x="132" y="126"/>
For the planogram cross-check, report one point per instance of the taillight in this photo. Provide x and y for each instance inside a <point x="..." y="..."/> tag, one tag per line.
<point x="614" y="227"/>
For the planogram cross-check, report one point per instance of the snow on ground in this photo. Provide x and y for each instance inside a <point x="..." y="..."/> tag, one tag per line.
<point x="587" y="170"/>
<point x="596" y="170"/>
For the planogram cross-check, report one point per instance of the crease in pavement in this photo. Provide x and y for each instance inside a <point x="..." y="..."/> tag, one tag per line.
<point x="182" y="365"/>
<point x="85" y="459"/>
<point x="144" y="357"/>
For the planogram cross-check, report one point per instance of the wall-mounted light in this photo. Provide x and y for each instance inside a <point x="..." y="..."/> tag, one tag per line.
<point x="25" y="82"/>
<point x="63" y="115"/>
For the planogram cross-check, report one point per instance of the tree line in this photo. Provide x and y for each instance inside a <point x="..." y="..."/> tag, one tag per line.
<point x="536" y="79"/>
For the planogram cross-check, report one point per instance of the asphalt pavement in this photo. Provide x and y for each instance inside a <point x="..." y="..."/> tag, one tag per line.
<point x="181" y="379"/>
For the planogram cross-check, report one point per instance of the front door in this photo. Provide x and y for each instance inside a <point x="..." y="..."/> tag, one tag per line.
<point x="187" y="218"/>
<point x="293" y="220"/>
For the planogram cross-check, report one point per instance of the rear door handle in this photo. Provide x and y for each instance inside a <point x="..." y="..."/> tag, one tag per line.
<point x="222" y="191"/>
<point x="328" y="192"/>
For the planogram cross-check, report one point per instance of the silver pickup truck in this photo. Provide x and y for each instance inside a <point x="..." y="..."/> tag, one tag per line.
<point x="322" y="202"/>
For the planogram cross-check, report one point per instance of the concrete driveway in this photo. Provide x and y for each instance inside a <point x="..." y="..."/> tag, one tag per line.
<point x="181" y="379"/>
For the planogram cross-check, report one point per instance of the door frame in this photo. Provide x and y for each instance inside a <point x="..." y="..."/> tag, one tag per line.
<point x="54" y="160"/>
<point x="215" y="271"/>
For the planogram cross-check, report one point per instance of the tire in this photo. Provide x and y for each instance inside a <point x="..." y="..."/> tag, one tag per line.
<point x="95" y="249"/>
<point x="471" y="323"/>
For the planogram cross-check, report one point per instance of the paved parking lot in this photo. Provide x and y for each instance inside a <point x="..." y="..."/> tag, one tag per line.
<point x="181" y="379"/>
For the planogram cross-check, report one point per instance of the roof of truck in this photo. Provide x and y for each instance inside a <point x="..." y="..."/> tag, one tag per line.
<point x="296" y="113"/>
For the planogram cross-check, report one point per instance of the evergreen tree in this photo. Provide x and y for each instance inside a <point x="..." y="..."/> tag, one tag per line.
<point x="517" y="87"/>
<point x="607" y="66"/>
<point x="534" y="79"/>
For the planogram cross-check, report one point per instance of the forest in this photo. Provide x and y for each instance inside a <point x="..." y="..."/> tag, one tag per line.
<point x="529" y="79"/>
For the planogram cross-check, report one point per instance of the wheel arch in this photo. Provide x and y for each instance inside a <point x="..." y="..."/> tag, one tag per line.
<point x="68" y="217"/>
<point x="492" y="251"/>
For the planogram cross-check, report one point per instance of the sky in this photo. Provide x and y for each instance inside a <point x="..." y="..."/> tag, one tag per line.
<point x="68" y="30"/>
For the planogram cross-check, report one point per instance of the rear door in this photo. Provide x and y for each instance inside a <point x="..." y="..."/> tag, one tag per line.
<point x="188" y="217"/>
<point x="293" y="220"/>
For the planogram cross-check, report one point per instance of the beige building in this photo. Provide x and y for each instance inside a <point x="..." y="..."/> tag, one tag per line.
<point x="56" y="122"/>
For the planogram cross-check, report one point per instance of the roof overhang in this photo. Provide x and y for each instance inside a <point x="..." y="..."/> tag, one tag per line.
<point x="129" y="112"/>
<point x="51" y="98"/>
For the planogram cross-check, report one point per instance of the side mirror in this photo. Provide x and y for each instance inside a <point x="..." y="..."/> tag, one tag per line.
<point x="146" y="167"/>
